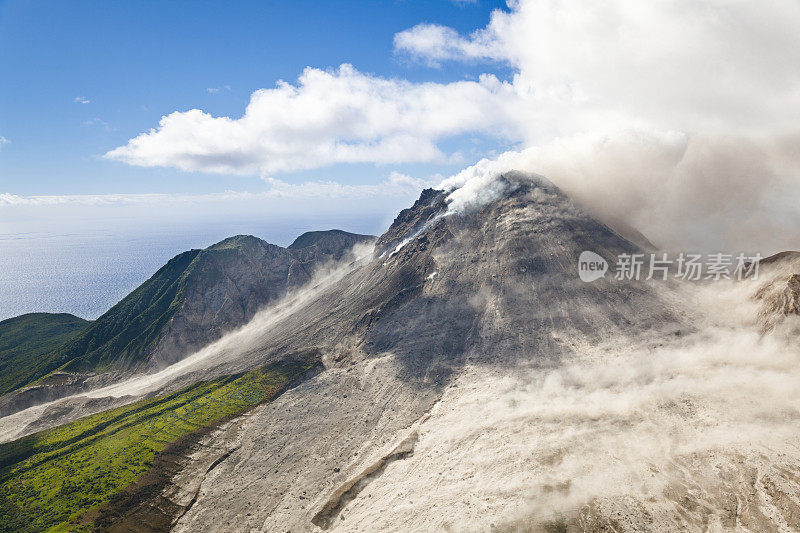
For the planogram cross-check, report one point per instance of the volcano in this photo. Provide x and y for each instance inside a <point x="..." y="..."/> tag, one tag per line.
<point x="460" y="376"/>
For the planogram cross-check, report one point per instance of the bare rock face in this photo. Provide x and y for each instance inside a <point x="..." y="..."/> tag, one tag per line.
<point x="788" y="301"/>
<point x="412" y="221"/>
<point x="779" y="298"/>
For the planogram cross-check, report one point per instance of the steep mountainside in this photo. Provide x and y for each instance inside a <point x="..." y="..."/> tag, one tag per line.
<point x="465" y="379"/>
<point x="191" y="301"/>
<point x="27" y="342"/>
<point x="446" y="293"/>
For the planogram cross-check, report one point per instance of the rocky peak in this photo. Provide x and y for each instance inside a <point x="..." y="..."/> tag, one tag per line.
<point x="325" y="245"/>
<point x="411" y="221"/>
<point x="779" y="298"/>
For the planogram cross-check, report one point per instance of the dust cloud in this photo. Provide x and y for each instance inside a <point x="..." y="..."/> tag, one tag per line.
<point x="642" y="426"/>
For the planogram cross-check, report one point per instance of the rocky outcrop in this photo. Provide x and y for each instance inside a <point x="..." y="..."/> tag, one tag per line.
<point x="779" y="296"/>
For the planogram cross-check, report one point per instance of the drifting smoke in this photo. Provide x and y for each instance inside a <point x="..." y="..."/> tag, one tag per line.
<point x="682" y="192"/>
<point x="628" y="428"/>
<point x="677" y="118"/>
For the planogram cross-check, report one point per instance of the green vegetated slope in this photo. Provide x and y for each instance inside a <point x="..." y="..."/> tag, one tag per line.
<point x="126" y="331"/>
<point x="49" y="479"/>
<point x="28" y="343"/>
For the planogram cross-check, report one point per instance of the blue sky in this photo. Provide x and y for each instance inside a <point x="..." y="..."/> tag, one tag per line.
<point x="137" y="61"/>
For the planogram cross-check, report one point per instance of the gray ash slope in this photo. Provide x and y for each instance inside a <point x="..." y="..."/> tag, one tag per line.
<point x="240" y="276"/>
<point x="493" y="287"/>
<point x="471" y="382"/>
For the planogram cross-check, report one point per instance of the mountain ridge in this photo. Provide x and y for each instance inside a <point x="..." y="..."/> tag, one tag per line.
<point x="25" y="338"/>
<point x="195" y="298"/>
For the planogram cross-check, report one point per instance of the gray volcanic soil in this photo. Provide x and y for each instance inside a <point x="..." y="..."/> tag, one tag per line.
<point x="472" y="382"/>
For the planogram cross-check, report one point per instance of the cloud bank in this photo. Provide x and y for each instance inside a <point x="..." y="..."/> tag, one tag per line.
<point x="396" y="184"/>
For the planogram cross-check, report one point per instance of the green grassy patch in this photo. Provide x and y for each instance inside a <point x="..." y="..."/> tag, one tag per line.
<point x="49" y="479"/>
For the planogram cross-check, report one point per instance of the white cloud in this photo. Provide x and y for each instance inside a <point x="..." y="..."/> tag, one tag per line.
<point x="677" y="116"/>
<point x="217" y="90"/>
<point x="3" y="141"/>
<point x="434" y="43"/>
<point x="98" y="122"/>
<point x="329" y="117"/>
<point x="673" y="64"/>
<point x="81" y="100"/>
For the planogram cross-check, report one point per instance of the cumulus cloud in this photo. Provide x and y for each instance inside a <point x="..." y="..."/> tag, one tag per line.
<point x="671" y="63"/>
<point x="434" y="43"/>
<point x="328" y="117"/>
<point x="81" y="100"/>
<point x="3" y="141"/>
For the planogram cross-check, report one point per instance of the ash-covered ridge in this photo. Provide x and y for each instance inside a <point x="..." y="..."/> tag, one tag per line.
<point x="193" y="300"/>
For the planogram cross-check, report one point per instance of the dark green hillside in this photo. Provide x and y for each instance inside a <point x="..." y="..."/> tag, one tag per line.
<point x="125" y="332"/>
<point x="28" y="343"/>
<point x="311" y="238"/>
<point x="226" y="284"/>
<point x="332" y="238"/>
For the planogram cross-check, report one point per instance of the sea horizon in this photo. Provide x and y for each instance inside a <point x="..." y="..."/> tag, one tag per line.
<point x="84" y="272"/>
